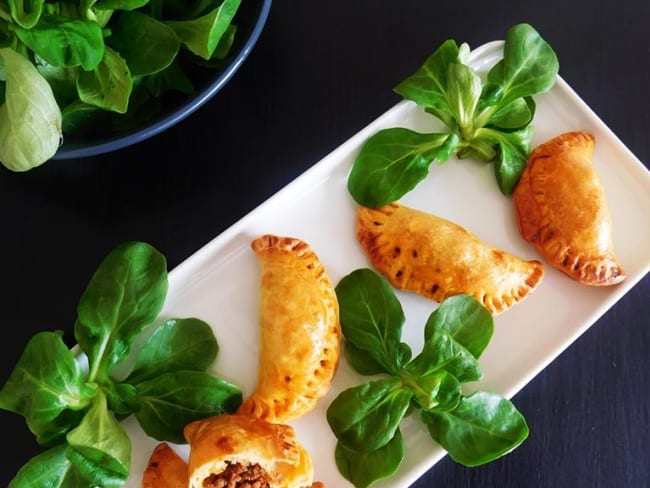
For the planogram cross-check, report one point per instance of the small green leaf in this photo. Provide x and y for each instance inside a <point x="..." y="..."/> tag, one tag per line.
<point x="439" y="390"/>
<point x="530" y="65"/>
<point x="492" y="91"/>
<point x="50" y="468"/>
<point x="371" y="317"/>
<point x="515" y="115"/>
<point x="363" y="362"/>
<point x="202" y="35"/>
<point x="171" y="78"/>
<point x="177" y="344"/>
<point x="225" y="43"/>
<point x="46" y="381"/>
<point x="365" y="417"/>
<point x="466" y="320"/>
<point x="362" y="469"/>
<point x="147" y="45"/>
<point x="102" y="439"/>
<point x="109" y="85"/>
<point x="89" y="473"/>
<point x="65" y="42"/>
<point x="442" y="352"/>
<point x="172" y="400"/>
<point x="391" y="163"/>
<point x="482" y="428"/>
<point x="513" y="150"/>
<point x="53" y="433"/>
<point x="30" y="119"/>
<point x="464" y="91"/>
<point x="122" y="398"/>
<point x="428" y="85"/>
<point x="124" y="295"/>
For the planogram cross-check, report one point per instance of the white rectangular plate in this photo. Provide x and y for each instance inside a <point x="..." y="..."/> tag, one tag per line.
<point x="220" y="282"/>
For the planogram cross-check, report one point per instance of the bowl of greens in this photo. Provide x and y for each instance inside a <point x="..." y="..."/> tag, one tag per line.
<point x="80" y="78"/>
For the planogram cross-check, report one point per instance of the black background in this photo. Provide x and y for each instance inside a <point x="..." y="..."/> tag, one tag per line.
<point x="320" y="72"/>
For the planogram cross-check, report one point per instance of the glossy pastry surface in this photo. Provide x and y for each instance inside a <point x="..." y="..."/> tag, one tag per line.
<point x="561" y="208"/>
<point x="436" y="258"/>
<point x="299" y="330"/>
<point x="246" y="449"/>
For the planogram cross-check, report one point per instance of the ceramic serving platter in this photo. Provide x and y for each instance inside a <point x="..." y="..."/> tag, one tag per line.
<point x="220" y="282"/>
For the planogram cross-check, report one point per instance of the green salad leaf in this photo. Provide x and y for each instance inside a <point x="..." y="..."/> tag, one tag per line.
<point x="30" y="118"/>
<point x="51" y="381"/>
<point x="177" y="344"/>
<point x="109" y="85"/>
<point x="65" y="42"/>
<point x="362" y="468"/>
<point x="147" y="45"/>
<point x="488" y="424"/>
<point x="85" y="68"/>
<point x="101" y="438"/>
<point x="486" y="118"/>
<point x="474" y="429"/>
<point x="51" y="465"/>
<point x="202" y="35"/>
<point x="124" y="295"/>
<point x="76" y="412"/>
<point x="172" y="400"/>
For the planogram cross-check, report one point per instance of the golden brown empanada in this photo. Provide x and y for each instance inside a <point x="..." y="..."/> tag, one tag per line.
<point x="437" y="258"/>
<point x="560" y="207"/>
<point x="246" y="448"/>
<point x="165" y="469"/>
<point x="299" y="330"/>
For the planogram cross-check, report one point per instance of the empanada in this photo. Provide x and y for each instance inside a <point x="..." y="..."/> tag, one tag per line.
<point x="436" y="258"/>
<point x="244" y="448"/>
<point x="300" y="331"/>
<point x="165" y="469"/>
<point x="560" y="207"/>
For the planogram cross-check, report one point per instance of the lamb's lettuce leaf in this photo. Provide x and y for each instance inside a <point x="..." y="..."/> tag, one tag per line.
<point x="30" y="119"/>
<point x="485" y="119"/>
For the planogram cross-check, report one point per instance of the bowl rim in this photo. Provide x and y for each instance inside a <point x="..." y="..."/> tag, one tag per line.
<point x="129" y="139"/>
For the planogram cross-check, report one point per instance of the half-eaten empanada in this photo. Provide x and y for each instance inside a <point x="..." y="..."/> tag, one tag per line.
<point x="244" y="450"/>
<point x="300" y="331"/>
<point x="560" y="207"/>
<point x="436" y="258"/>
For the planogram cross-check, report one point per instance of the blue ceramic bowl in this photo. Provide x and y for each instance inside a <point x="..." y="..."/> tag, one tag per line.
<point x="250" y="19"/>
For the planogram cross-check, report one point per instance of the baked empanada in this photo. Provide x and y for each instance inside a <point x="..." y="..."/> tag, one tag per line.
<point x="560" y="207"/>
<point x="436" y="258"/>
<point x="165" y="469"/>
<point x="300" y="331"/>
<point x="244" y="448"/>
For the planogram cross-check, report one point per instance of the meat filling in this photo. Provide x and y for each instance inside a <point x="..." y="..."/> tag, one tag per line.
<point x="239" y="476"/>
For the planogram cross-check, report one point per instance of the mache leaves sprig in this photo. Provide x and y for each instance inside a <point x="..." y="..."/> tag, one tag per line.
<point x="473" y="428"/>
<point x="488" y="120"/>
<point x="75" y="411"/>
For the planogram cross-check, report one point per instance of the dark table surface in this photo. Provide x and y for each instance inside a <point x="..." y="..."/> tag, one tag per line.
<point x="319" y="74"/>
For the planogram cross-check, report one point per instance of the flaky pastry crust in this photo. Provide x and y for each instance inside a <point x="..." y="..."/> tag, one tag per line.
<point x="436" y="258"/>
<point x="222" y="440"/>
<point x="561" y="208"/>
<point x="300" y="331"/>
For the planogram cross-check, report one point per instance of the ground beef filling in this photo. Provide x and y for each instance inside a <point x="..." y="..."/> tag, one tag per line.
<point x="239" y="476"/>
